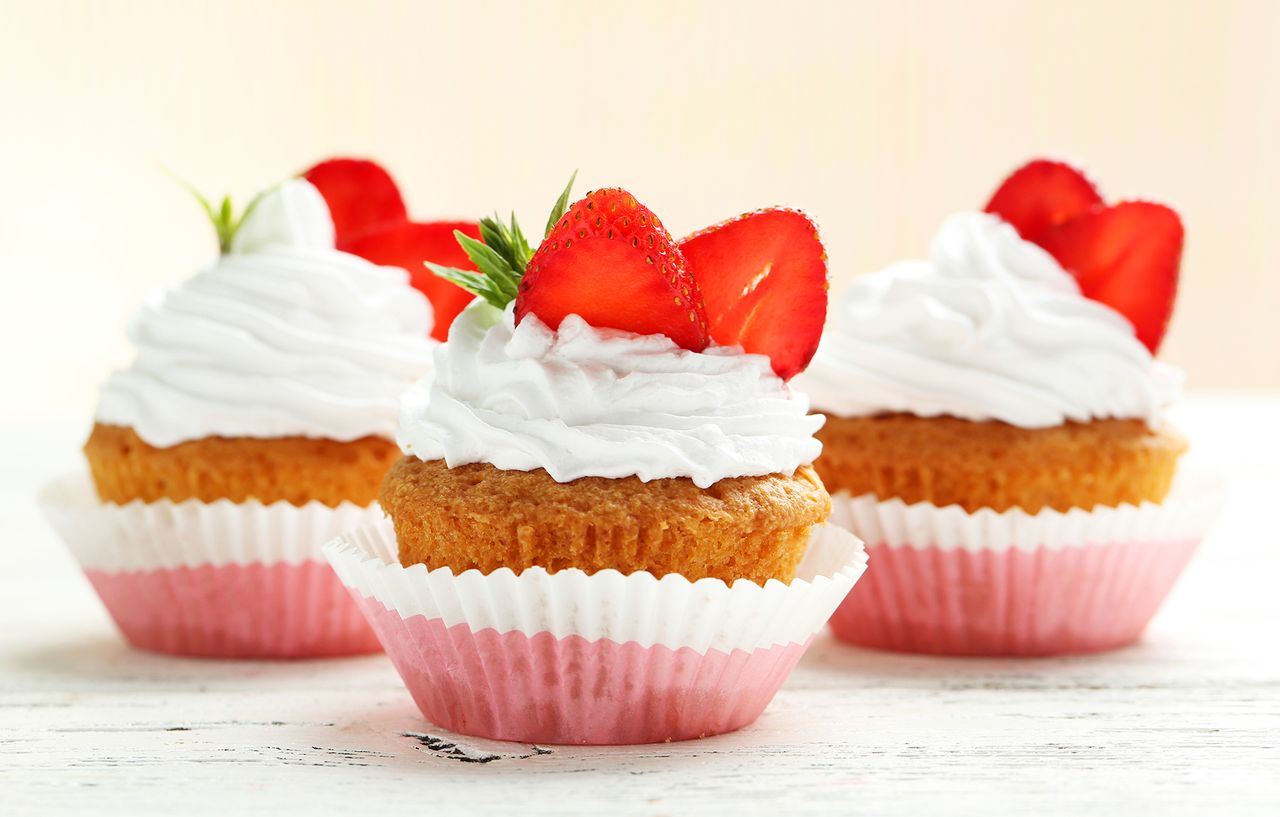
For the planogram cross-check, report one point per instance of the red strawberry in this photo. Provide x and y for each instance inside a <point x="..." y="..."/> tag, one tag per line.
<point x="1127" y="257"/>
<point x="360" y="194"/>
<point x="763" y="278"/>
<point x="610" y="261"/>
<point x="1042" y="194"/>
<point x="408" y="245"/>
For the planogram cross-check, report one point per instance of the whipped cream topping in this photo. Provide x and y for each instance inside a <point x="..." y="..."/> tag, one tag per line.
<point x="991" y="327"/>
<point x="281" y="336"/>
<point x="581" y="401"/>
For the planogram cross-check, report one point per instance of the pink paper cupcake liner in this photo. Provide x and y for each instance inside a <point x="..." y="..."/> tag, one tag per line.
<point x="950" y="582"/>
<point x="571" y="658"/>
<point x="218" y="579"/>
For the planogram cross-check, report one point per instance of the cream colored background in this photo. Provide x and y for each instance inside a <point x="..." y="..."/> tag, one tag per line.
<point x="877" y="118"/>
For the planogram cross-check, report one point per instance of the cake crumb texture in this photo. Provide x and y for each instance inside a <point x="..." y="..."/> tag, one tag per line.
<point x="949" y="461"/>
<point x="480" y="517"/>
<point x="290" y="469"/>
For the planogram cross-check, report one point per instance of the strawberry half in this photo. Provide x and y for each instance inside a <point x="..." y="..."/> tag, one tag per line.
<point x="1126" y="256"/>
<point x="361" y="196"/>
<point x="610" y="261"/>
<point x="1042" y="194"/>
<point x="763" y="278"/>
<point x="409" y="245"/>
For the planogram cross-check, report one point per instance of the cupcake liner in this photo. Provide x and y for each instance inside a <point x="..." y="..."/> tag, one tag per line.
<point x="951" y="582"/>
<point x="219" y="579"/>
<point x="605" y="658"/>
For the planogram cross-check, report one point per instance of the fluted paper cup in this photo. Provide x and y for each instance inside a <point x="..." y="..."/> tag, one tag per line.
<point x="605" y="658"/>
<point x="218" y="579"/>
<point x="951" y="582"/>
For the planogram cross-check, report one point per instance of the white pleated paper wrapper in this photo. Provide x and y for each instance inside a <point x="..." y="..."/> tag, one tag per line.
<point x="221" y="578"/>
<point x="1013" y="583"/>
<point x="601" y="658"/>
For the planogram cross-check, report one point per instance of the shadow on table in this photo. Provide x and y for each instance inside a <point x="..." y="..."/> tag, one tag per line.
<point x="396" y="735"/>
<point x="108" y="658"/>
<point x="404" y="739"/>
<point x="831" y="661"/>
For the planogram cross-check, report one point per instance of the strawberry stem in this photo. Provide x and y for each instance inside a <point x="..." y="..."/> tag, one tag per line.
<point x="225" y="222"/>
<point x="501" y="256"/>
<point x="561" y="205"/>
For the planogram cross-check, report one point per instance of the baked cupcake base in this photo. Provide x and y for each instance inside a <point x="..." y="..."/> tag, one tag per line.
<point x="219" y="579"/>
<point x="947" y="581"/>
<point x="571" y="658"/>
<point x="483" y="518"/>
<point x="296" y="470"/>
<point x="948" y="461"/>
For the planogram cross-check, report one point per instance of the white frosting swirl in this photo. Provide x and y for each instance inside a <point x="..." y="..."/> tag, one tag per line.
<point x="581" y="401"/>
<point x="991" y="327"/>
<point x="282" y="336"/>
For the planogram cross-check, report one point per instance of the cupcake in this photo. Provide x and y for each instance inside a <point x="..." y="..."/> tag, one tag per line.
<point x="255" y="423"/>
<point x="605" y="527"/>
<point x="996" y="427"/>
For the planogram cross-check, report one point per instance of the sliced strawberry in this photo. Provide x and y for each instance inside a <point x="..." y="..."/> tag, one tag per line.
<point x="360" y="194"/>
<point x="1042" y="194"/>
<point x="610" y="261"/>
<point x="763" y="277"/>
<point x="409" y="245"/>
<point x="1126" y="256"/>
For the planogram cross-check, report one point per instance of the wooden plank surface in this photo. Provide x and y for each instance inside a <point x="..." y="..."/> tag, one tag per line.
<point x="1187" y="722"/>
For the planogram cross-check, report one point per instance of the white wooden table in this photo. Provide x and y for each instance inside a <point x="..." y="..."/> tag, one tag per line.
<point x="1188" y="722"/>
